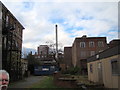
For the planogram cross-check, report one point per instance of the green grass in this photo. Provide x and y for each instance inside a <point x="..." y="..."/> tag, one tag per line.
<point x="46" y="83"/>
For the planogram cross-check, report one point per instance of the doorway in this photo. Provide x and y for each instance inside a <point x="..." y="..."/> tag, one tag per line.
<point x="100" y="74"/>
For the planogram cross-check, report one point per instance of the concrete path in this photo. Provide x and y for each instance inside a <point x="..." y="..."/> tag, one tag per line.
<point x="27" y="82"/>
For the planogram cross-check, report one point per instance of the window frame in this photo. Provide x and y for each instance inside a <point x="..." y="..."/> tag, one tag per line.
<point x="91" y="68"/>
<point x="116" y="72"/>
<point x="1" y="14"/>
<point x="7" y="18"/>
<point x="83" y="53"/>
<point x="91" y="44"/>
<point x="91" y="53"/>
<point x="82" y="45"/>
<point x="100" y="44"/>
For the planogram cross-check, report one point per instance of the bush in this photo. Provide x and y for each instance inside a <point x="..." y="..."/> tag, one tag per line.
<point x="72" y="71"/>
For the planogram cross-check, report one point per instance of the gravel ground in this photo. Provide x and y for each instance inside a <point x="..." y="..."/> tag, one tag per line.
<point x="27" y="82"/>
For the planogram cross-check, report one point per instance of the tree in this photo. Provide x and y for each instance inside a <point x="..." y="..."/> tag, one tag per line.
<point x="52" y="46"/>
<point x="31" y="62"/>
<point x="52" y="51"/>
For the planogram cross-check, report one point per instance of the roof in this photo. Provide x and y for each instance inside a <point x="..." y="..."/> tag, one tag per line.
<point x="114" y="42"/>
<point x="3" y="6"/>
<point x="86" y="38"/>
<point x="43" y="45"/>
<point x="90" y="38"/>
<point x="67" y="47"/>
<point x="105" y="54"/>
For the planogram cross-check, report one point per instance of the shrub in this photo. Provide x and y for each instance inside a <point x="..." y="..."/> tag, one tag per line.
<point x="72" y="71"/>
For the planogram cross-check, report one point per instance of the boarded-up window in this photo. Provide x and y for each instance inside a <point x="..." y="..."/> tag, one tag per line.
<point x="114" y="65"/>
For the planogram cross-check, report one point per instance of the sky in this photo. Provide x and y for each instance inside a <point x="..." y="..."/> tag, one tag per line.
<point x="75" y="18"/>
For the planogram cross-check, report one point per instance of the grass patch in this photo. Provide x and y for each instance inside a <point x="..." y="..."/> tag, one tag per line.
<point x="46" y="83"/>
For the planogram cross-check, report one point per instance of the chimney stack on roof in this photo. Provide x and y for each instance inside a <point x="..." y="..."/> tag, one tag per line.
<point x="84" y="36"/>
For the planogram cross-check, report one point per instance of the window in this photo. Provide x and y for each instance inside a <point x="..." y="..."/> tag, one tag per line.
<point x="83" y="54"/>
<point x="16" y="44"/>
<point x="97" y="56"/>
<point x="82" y="44"/>
<point x="99" y="65"/>
<point x="7" y="19"/>
<point x="91" y="68"/>
<point x="1" y="15"/>
<point x="100" y="44"/>
<point x="18" y="30"/>
<point x="91" y="44"/>
<point x="114" y="65"/>
<point x="14" y="25"/>
<point x="92" y="53"/>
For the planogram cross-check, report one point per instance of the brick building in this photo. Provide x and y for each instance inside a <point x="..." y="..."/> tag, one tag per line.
<point x="114" y="43"/>
<point x="68" y="57"/>
<point x="85" y="47"/>
<point x="42" y="52"/>
<point x="11" y="43"/>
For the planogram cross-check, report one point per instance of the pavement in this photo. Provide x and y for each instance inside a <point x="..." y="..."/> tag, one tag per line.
<point x="27" y="82"/>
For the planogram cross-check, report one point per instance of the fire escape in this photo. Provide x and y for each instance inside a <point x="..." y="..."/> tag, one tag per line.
<point x="11" y="51"/>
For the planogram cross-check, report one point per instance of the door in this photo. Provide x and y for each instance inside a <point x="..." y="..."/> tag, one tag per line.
<point x="100" y="74"/>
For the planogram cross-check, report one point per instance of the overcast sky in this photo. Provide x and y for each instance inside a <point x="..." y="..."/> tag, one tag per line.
<point x="96" y="18"/>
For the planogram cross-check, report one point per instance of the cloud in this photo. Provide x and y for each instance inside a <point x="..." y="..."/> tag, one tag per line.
<point x="59" y="1"/>
<point x="74" y="19"/>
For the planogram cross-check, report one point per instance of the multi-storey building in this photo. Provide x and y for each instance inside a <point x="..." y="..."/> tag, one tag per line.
<point x="42" y="52"/>
<point x="85" y="47"/>
<point x="11" y="43"/>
